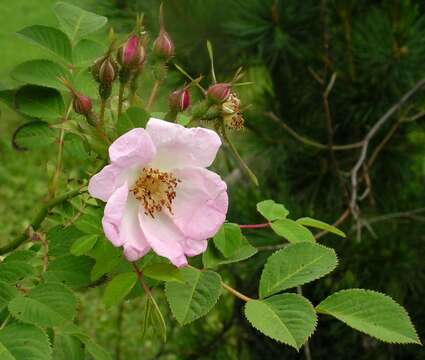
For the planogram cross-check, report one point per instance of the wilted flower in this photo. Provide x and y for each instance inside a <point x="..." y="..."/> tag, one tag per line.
<point x="159" y="193"/>
<point x="219" y="93"/>
<point x="179" y="100"/>
<point x="232" y="115"/>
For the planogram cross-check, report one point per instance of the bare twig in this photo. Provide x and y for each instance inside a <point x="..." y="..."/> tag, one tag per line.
<point x="310" y="142"/>
<point x="362" y="158"/>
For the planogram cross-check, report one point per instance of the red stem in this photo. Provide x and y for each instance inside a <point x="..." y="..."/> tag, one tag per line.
<point x="254" y="226"/>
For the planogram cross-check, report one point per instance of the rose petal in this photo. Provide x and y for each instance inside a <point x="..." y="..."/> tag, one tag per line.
<point x="164" y="236"/>
<point x="201" y="203"/>
<point x="104" y="183"/>
<point x="179" y="147"/>
<point x="133" y="148"/>
<point x="113" y="214"/>
<point x="195" y="247"/>
<point x="121" y="224"/>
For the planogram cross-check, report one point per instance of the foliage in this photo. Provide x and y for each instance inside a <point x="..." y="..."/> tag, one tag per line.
<point x="69" y="253"/>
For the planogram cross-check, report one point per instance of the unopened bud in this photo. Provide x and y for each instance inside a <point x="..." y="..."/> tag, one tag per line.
<point x="219" y="93"/>
<point x="163" y="46"/>
<point x="129" y="54"/>
<point x="180" y="99"/>
<point x="82" y="104"/>
<point x="105" y="70"/>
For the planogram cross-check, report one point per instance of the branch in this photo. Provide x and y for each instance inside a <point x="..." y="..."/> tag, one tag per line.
<point x="354" y="172"/>
<point x="308" y="141"/>
<point x="41" y="215"/>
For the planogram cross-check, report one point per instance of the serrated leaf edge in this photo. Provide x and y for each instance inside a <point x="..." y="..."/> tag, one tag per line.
<point x="306" y="282"/>
<point x="316" y="320"/>
<point x="319" y="311"/>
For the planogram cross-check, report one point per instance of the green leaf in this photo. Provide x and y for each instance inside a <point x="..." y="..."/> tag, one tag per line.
<point x="134" y="117"/>
<point x="183" y="119"/>
<point x="96" y="351"/>
<point x="40" y="102"/>
<point x="73" y="271"/>
<point x="77" y="22"/>
<point x="49" y="38"/>
<point x="48" y="304"/>
<point x="163" y="272"/>
<point x="61" y="238"/>
<point x="107" y="258"/>
<point x="288" y="318"/>
<point x="20" y="255"/>
<point x="34" y="135"/>
<point x="156" y="319"/>
<point x="196" y="297"/>
<point x="292" y="231"/>
<point x="90" y="222"/>
<point x="228" y="239"/>
<point x="75" y="148"/>
<point x="372" y="313"/>
<point x="294" y="265"/>
<point x="40" y="72"/>
<point x="212" y="257"/>
<point x="86" y="52"/>
<point x="7" y="293"/>
<point x="67" y="347"/>
<point x="14" y="271"/>
<point x="24" y="342"/>
<point x="307" y="221"/>
<point x="272" y="210"/>
<point x="119" y="287"/>
<point x="84" y="244"/>
<point x="5" y="354"/>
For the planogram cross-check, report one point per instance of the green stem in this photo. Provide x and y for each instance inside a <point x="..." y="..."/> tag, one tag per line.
<point x="235" y="292"/>
<point x="121" y="98"/>
<point x="39" y="218"/>
<point x="153" y="94"/>
<point x="55" y="179"/>
<point x="235" y="152"/>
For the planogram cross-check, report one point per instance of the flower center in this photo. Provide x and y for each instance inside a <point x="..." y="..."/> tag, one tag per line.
<point x="155" y="190"/>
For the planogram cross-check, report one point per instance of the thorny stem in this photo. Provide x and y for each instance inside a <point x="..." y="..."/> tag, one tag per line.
<point x="235" y="152"/>
<point x="120" y="98"/>
<point x="141" y="278"/>
<point x="102" y="113"/>
<point x="5" y="321"/>
<point x="55" y="179"/>
<point x="235" y="292"/>
<point x="254" y="226"/>
<point x="41" y="215"/>
<point x="153" y="94"/>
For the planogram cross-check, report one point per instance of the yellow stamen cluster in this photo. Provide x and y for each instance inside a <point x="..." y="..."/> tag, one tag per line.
<point x="155" y="190"/>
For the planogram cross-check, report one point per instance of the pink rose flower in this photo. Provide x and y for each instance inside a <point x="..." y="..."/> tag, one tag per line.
<point x="159" y="193"/>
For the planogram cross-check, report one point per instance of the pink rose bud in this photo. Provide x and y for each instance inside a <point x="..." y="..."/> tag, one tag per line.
<point x="82" y="104"/>
<point x="129" y="54"/>
<point x="163" y="46"/>
<point x="219" y="93"/>
<point x="180" y="99"/>
<point x="104" y="70"/>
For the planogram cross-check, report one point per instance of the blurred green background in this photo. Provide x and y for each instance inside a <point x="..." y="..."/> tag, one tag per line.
<point x="290" y="50"/>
